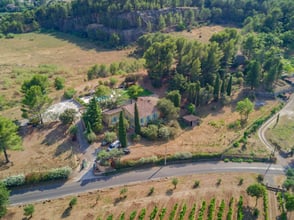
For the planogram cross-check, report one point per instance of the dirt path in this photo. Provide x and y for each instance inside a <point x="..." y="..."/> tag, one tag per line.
<point x="273" y="205"/>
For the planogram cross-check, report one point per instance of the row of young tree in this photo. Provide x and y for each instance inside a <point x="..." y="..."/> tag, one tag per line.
<point x="256" y="15"/>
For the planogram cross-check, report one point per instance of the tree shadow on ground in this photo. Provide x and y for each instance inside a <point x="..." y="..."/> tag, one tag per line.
<point x="248" y="213"/>
<point x="83" y="43"/>
<point x="169" y="192"/>
<point x="119" y="199"/>
<point x="56" y="134"/>
<point x="66" y="212"/>
<point x="65" y="146"/>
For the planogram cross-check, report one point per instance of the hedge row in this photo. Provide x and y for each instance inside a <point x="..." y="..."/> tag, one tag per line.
<point x="37" y="177"/>
<point x="154" y="160"/>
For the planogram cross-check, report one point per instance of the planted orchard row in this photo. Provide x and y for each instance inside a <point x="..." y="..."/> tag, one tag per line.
<point x="192" y="215"/>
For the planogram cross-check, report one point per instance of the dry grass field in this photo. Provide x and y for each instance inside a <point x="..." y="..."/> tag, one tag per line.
<point x="102" y="203"/>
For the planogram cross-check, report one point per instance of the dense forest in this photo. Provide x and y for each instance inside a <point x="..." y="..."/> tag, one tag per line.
<point x="121" y="21"/>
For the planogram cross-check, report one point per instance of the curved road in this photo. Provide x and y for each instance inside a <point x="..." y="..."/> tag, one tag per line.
<point x="88" y="182"/>
<point x="288" y="109"/>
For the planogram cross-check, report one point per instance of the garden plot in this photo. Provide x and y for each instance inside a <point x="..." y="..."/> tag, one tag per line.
<point x="53" y="112"/>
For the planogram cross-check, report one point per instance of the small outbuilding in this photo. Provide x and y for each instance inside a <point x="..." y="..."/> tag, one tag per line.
<point x="192" y="120"/>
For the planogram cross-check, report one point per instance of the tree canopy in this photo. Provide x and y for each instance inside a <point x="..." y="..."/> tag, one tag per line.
<point x="4" y="199"/>
<point x="9" y="138"/>
<point x="244" y="107"/>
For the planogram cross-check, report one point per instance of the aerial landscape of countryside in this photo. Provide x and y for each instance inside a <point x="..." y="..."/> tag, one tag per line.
<point x="123" y="109"/>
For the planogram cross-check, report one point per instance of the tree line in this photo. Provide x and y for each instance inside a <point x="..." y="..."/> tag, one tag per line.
<point x="256" y="15"/>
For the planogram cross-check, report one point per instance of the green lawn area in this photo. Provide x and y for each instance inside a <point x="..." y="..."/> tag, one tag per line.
<point x="282" y="134"/>
<point x="145" y="92"/>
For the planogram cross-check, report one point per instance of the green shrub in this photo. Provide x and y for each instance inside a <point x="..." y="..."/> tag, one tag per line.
<point x="69" y="93"/>
<point x="265" y="205"/>
<point x="256" y="212"/>
<point x="73" y="202"/>
<point x="221" y="210"/>
<point x="162" y="213"/>
<point x="236" y="144"/>
<point x="148" y="160"/>
<point x="133" y="215"/>
<point x="183" y="212"/>
<point x="57" y="173"/>
<point x="34" y="177"/>
<point x="91" y="137"/>
<point x="173" y="212"/>
<point x="142" y="214"/>
<point x="211" y="209"/>
<point x="59" y="83"/>
<point x="13" y="181"/>
<point x="226" y="160"/>
<point x="182" y="155"/>
<point x="29" y="210"/>
<point x="202" y="210"/>
<point x="196" y="184"/>
<point x="230" y="212"/>
<point x="110" y="217"/>
<point x="192" y="213"/>
<point x="260" y="178"/>
<point x="150" y="132"/>
<point x="153" y="213"/>
<point x="241" y="181"/>
<point x="237" y="160"/>
<point x="9" y="36"/>
<point x="122" y="216"/>
<point x="240" y="215"/>
<point x="151" y="191"/>
<point x="219" y="181"/>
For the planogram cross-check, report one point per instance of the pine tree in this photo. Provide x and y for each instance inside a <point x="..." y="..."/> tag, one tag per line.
<point x="229" y="88"/>
<point x="137" y="120"/>
<point x="216" y="88"/>
<point x="122" y="133"/>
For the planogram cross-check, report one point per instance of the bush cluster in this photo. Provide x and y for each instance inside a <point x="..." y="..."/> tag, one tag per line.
<point x="230" y="212"/>
<point x="173" y="212"/>
<point x="202" y="210"/>
<point x="162" y="213"/>
<point x="211" y="209"/>
<point x="153" y="213"/>
<point x="133" y="215"/>
<point x="221" y="210"/>
<point x="240" y="209"/>
<point x="192" y="213"/>
<point x="142" y="214"/>
<point x="36" y="177"/>
<point x="183" y="212"/>
<point x="265" y="205"/>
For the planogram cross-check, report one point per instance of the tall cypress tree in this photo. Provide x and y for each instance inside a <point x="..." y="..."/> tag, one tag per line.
<point x="222" y="91"/>
<point x="216" y="88"/>
<point x="229" y="88"/>
<point x="137" y="120"/>
<point x="122" y="133"/>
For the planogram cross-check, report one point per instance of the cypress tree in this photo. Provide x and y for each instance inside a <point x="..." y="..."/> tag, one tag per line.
<point x="122" y="133"/>
<point x="223" y="87"/>
<point x="93" y="116"/>
<point x="137" y="120"/>
<point x="229" y="88"/>
<point x="216" y="88"/>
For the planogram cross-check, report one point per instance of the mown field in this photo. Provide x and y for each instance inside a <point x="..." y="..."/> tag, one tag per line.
<point x="178" y="203"/>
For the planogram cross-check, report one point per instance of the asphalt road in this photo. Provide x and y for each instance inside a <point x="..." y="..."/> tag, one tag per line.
<point x="41" y="193"/>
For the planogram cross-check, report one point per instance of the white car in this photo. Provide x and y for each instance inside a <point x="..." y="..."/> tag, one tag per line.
<point x="114" y="145"/>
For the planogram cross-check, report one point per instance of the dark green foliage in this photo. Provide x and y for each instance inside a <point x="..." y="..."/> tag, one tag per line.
<point x="59" y="83"/>
<point x="167" y="109"/>
<point x="253" y="72"/>
<point x="265" y="205"/>
<point x="230" y="212"/>
<point x="73" y="202"/>
<point x="222" y="91"/>
<point x="29" y="210"/>
<point x="162" y="213"/>
<point x="133" y="215"/>
<point x="9" y="138"/>
<point x="183" y="212"/>
<point x="229" y="87"/>
<point x="36" y="80"/>
<point x="211" y="209"/>
<point x="122" y="216"/>
<point x="173" y="212"/>
<point x="68" y="116"/>
<point x="216" y="88"/>
<point x="255" y="190"/>
<point x="175" y="97"/>
<point x="221" y="210"/>
<point x="69" y="93"/>
<point x="192" y="213"/>
<point x="196" y="184"/>
<point x="142" y="214"/>
<point x="137" y="120"/>
<point x="122" y="133"/>
<point x="4" y="199"/>
<point x="202" y="210"/>
<point x="289" y="182"/>
<point x="153" y="213"/>
<point x="93" y="116"/>
<point x="110" y="217"/>
<point x="175" y="182"/>
<point x="240" y="214"/>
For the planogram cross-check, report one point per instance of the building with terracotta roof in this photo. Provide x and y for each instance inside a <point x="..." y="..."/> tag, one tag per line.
<point x="147" y="110"/>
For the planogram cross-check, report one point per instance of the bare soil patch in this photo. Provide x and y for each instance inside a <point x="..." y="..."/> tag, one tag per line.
<point x="43" y="148"/>
<point x="212" y="136"/>
<point x="102" y="203"/>
<point x="202" y="34"/>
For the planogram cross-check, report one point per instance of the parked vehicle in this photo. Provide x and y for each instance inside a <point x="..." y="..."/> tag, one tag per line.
<point x="126" y="151"/>
<point x="114" y="145"/>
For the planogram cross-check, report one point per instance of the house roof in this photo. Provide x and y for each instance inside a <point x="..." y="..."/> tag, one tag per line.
<point x="146" y="106"/>
<point x="190" y="118"/>
<point x="113" y="111"/>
